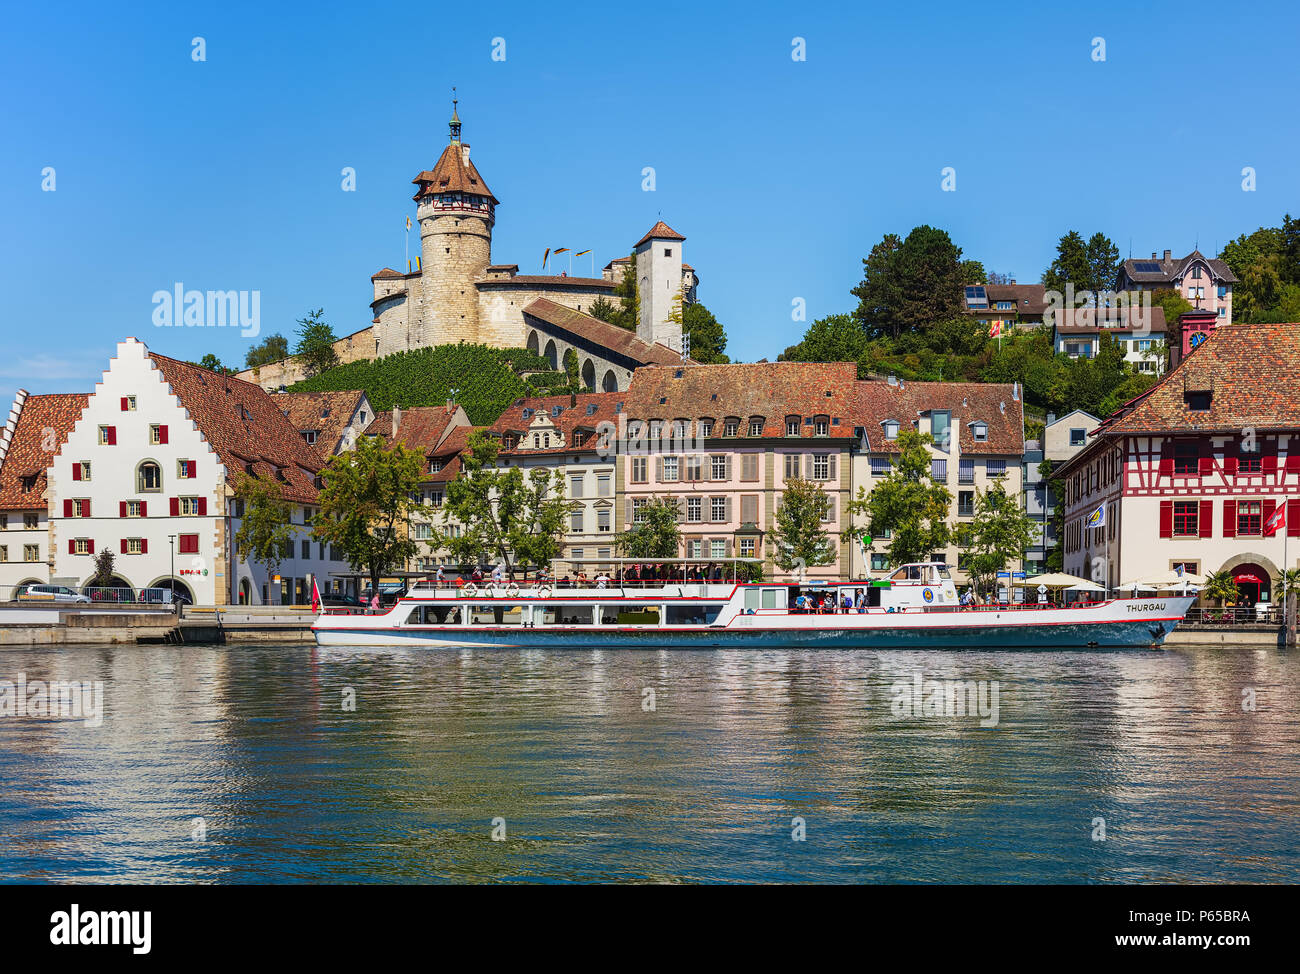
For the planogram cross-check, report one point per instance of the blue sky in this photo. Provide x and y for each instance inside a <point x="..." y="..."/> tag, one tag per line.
<point x="226" y="174"/>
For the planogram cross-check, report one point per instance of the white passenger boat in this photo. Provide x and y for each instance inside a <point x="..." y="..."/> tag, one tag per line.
<point x="917" y="606"/>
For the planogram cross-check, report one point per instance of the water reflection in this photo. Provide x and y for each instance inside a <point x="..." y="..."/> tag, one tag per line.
<point x="597" y="779"/>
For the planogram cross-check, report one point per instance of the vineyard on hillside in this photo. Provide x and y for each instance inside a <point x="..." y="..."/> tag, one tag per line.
<point x="486" y="379"/>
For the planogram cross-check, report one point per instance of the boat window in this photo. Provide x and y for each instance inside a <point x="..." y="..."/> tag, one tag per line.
<point x="692" y="615"/>
<point x="496" y="615"/>
<point x="943" y="572"/>
<point x="771" y="598"/>
<point x="564" y="615"/>
<point x="751" y="598"/>
<point x="645" y="616"/>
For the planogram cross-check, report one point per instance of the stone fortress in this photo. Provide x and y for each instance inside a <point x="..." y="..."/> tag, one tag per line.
<point x="456" y="293"/>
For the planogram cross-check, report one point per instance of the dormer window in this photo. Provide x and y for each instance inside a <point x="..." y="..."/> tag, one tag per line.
<point x="436" y="464"/>
<point x="730" y="426"/>
<point x="756" y="424"/>
<point x="706" y="427"/>
<point x="792" y="425"/>
<point x="309" y="436"/>
<point x="891" y="429"/>
<point x="980" y="432"/>
<point x="1199" y="401"/>
<point x="822" y="426"/>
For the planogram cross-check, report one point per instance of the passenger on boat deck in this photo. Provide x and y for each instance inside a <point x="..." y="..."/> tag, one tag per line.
<point x="860" y="600"/>
<point x="439" y="577"/>
<point x="847" y="602"/>
<point x="497" y="574"/>
<point x="602" y="580"/>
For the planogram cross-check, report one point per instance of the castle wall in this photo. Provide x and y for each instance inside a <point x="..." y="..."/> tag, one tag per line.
<point x="457" y="249"/>
<point x="501" y="317"/>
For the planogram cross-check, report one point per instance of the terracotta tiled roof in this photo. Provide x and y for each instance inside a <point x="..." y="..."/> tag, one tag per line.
<point x="421" y="428"/>
<point x="1250" y="372"/>
<point x="601" y="332"/>
<point x="27" y="456"/>
<point x="243" y="424"/>
<point x="327" y="413"/>
<point x="449" y="451"/>
<point x="772" y="390"/>
<point x="660" y="231"/>
<point x="386" y="272"/>
<point x="1085" y="320"/>
<point x="453" y="173"/>
<point x="583" y="412"/>
<point x="553" y="281"/>
<point x="994" y="404"/>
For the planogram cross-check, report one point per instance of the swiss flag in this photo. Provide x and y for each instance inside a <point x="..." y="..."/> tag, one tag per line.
<point x="995" y="329"/>
<point x="1276" y="520"/>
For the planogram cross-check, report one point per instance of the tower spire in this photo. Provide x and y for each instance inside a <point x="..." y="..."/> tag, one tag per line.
<point x="455" y="119"/>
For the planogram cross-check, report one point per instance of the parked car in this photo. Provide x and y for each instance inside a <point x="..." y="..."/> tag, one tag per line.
<point x="53" y="593"/>
<point x="341" y="601"/>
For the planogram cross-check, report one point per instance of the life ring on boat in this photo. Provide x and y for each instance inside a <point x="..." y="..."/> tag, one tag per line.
<point x="512" y="589"/>
<point x="543" y="591"/>
<point x="470" y="589"/>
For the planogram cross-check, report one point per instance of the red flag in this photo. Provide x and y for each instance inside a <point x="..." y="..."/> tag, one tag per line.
<point x="1275" y="521"/>
<point x="315" y="595"/>
<point x="995" y="329"/>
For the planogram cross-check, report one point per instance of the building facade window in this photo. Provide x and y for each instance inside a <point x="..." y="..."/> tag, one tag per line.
<point x="1186" y="519"/>
<point x="718" y="509"/>
<point x="939" y="470"/>
<point x="638" y="470"/>
<point x="1250" y="518"/>
<point x="694" y="510"/>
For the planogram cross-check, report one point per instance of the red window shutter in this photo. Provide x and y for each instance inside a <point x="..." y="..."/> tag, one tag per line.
<point x="1269" y="464"/>
<point x="67" y="508"/>
<point x="125" y="407"/>
<point x="1229" y="519"/>
<point x="1206" y="520"/>
<point x="90" y="546"/>
<point x="1230" y="464"/>
<point x="144" y="546"/>
<point x="162" y="434"/>
<point x="1293" y="461"/>
<point x="1167" y="461"/>
<point x="72" y="546"/>
<point x="203" y="506"/>
<point x="121" y="508"/>
<point x="1266" y="508"/>
<point x="1166" y="519"/>
<point x="86" y="512"/>
<point x="1205" y="464"/>
<point x="112" y="435"/>
<point x="124" y="546"/>
<point x="144" y="509"/>
<point x="1293" y="518"/>
<point x="176" y="506"/>
<point x="76" y="471"/>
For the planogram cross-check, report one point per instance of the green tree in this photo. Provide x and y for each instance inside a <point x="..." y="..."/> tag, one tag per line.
<point x="604" y="309"/>
<point x="213" y="364"/>
<point x="906" y="285"/>
<point x="837" y="338"/>
<point x="708" y="337"/>
<point x="998" y="535"/>
<point x="369" y="497"/>
<point x="505" y="515"/>
<point x="654" y="534"/>
<point x="629" y="298"/>
<point x="104" y="562"/>
<point x="316" y="340"/>
<point x="909" y="503"/>
<point x="1091" y="267"/>
<point x="264" y="529"/>
<point x="1054" y="560"/>
<point x="273" y="348"/>
<point x="799" y="541"/>
<point x="1221" y="587"/>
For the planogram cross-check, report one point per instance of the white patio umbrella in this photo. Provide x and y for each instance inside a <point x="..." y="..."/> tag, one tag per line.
<point x="1137" y="585"/>
<point x="1172" y="580"/>
<point x="1060" y="580"/>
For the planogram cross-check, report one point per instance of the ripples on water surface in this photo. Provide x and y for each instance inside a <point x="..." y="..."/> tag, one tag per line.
<point x="292" y="788"/>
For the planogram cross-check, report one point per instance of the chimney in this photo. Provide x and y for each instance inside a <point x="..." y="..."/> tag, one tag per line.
<point x="464" y="153"/>
<point x="573" y="399"/>
<point x="1051" y="418"/>
<point x="1153" y="255"/>
<point x="1169" y="254"/>
<point x="397" y="419"/>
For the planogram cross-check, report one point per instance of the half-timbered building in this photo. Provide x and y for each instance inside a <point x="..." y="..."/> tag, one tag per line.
<point x="1189" y="473"/>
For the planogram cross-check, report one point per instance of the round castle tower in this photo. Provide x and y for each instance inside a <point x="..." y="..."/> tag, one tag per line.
<point x="456" y="211"/>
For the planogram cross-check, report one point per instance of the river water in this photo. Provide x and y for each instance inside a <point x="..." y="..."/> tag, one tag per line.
<point x="294" y="764"/>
